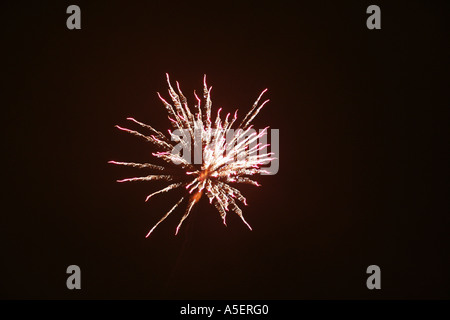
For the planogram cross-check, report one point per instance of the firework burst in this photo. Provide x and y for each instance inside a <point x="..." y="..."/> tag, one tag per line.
<point x="225" y="159"/>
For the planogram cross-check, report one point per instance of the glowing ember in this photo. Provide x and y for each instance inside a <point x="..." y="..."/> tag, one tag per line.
<point x="227" y="156"/>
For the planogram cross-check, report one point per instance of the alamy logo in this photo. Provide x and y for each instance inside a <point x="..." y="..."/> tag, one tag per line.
<point x="74" y="20"/>
<point x="374" y="20"/>
<point x="374" y="281"/>
<point x="74" y="280"/>
<point x="236" y="145"/>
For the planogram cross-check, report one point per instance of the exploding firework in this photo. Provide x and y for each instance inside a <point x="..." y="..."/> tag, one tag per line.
<point x="225" y="159"/>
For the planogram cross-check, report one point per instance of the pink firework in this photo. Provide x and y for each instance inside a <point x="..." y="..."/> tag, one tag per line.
<point x="227" y="156"/>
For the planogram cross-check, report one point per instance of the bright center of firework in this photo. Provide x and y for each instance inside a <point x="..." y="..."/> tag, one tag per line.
<point x="204" y="175"/>
<point x="218" y="171"/>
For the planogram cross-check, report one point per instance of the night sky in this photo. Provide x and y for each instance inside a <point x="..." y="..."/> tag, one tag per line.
<point x="363" y="175"/>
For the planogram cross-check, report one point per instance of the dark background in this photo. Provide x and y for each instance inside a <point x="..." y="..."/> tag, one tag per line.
<point x="363" y="173"/>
